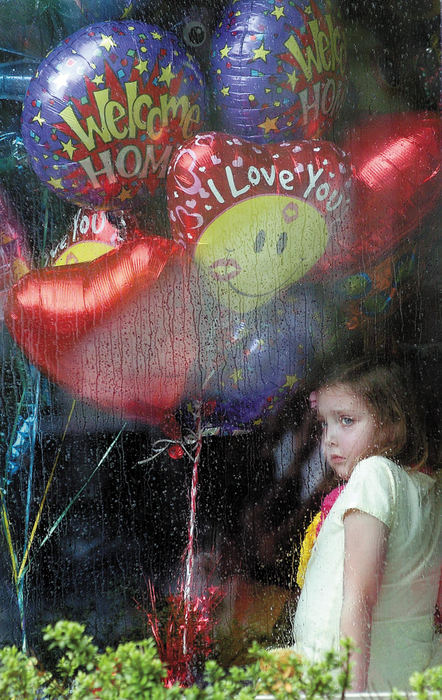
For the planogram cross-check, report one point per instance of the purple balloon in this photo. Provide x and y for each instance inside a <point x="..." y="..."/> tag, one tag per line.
<point x="105" y="110"/>
<point x="261" y="357"/>
<point x="277" y="70"/>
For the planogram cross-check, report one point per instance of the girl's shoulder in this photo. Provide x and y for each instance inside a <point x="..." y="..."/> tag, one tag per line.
<point x="377" y="464"/>
<point x="382" y="488"/>
<point x="384" y="470"/>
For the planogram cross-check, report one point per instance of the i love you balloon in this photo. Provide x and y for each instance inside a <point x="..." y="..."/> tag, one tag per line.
<point x="105" y="109"/>
<point x="118" y="331"/>
<point x="278" y="69"/>
<point x="93" y="233"/>
<point x="259" y="218"/>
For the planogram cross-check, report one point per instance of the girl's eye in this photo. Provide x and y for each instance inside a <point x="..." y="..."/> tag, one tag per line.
<point x="346" y="420"/>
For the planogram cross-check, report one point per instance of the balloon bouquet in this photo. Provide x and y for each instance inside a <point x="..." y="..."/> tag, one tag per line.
<point x="281" y="242"/>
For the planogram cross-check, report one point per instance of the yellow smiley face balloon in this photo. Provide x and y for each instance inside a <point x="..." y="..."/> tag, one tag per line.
<point x="258" y="247"/>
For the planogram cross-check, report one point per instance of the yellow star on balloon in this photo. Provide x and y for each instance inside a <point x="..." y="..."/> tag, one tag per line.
<point x="141" y="67"/>
<point x="55" y="183"/>
<point x="225" y="90"/>
<point x="125" y="194"/>
<point x="278" y="12"/>
<point x="290" y="380"/>
<point x="167" y="75"/>
<point x="38" y="118"/>
<point x="236" y="375"/>
<point x="98" y="79"/>
<point x="269" y="125"/>
<point x="107" y="42"/>
<point x="224" y="53"/>
<point x="69" y="148"/>
<point x="156" y="35"/>
<point x="260" y="53"/>
<point x="292" y="79"/>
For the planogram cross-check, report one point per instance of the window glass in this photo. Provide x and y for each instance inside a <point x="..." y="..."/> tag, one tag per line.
<point x="202" y="205"/>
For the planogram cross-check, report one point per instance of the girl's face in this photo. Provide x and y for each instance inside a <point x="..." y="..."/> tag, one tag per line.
<point x="349" y="428"/>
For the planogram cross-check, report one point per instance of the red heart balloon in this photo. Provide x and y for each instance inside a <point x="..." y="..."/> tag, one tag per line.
<point x="260" y="217"/>
<point x="396" y="164"/>
<point x="118" y="331"/>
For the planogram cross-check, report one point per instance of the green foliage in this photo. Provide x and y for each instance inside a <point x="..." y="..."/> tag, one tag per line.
<point x="428" y="684"/>
<point x="19" y="675"/>
<point x="133" y="671"/>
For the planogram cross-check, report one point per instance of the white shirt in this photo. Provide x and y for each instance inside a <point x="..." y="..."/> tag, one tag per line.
<point x="402" y="637"/>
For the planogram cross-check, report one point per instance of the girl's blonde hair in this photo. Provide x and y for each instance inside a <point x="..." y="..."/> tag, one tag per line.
<point x="389" y="393"/>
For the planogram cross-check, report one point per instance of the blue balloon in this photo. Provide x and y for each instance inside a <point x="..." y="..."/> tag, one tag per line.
<point x="15" y="77"/>
<point x="32" y="27"/>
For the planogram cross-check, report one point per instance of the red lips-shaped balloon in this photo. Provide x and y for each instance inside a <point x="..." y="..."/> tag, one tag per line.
<point x="396" y="166"/>
<point x="117" y="331"/>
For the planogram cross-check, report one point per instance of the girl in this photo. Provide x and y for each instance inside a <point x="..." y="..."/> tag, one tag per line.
<point x="374" y="570"/>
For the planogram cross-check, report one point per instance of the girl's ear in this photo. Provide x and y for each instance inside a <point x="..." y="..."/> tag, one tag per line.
<point x="391" y="437"/>
<point x="313" y="399"/>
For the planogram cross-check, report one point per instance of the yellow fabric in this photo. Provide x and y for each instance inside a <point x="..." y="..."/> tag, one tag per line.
<point x="306" y="549"/>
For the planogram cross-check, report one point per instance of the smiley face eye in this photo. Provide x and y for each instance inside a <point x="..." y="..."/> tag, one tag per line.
<point x="259" y="241"/>
<point x="281" y="243"/>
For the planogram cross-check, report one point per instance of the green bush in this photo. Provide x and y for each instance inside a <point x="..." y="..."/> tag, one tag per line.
<point x="133" y="671"/>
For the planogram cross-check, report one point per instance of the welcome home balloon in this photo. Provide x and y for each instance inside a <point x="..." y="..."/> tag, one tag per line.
<point x="278" y="69"/>
<point x="105" y="110"/>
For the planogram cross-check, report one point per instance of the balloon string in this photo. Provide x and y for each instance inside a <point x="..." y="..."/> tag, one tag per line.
<point x="7" y="529"/>
<point x="18" y="582"/>
<point x="80" y="491"/>
<point x="190" y="558"/>
<point x="32" y="440"/>
<point x="45" y="197"/>
<point x="160" y="446"/>
<point x="43" y="500"/>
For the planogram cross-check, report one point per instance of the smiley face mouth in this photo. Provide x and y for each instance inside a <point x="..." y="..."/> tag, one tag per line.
<point x="270" y="292"/>
<point x="225" y="269"/>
